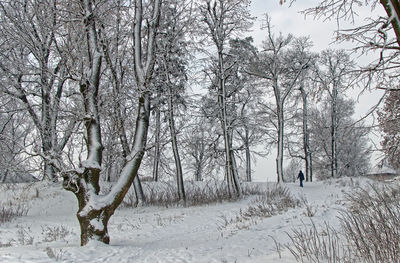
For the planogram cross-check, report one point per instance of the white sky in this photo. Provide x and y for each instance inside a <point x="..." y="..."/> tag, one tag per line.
<point x="287" y="20"/>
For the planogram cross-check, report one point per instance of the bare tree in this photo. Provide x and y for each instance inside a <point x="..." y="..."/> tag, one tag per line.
<point x="94" y="209"/>
<point x="332" y="76"/>
<point x="33" y="70"/>
<point x="224" y="18"/>
<point x="306" y="132"/>
<point x="244" y="93"/>
<point x="281" y="64"/>
<point x="352" y="148"/>
<point x="172" y="65"/>
<point x="14" y="131"/>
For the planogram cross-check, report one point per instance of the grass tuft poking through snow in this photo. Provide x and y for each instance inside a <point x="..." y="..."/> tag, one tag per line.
<point x="10" y="211"/>
<point x="274" y="201"/>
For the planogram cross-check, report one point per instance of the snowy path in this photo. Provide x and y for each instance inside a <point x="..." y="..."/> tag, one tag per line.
<point x="153" y="234"/>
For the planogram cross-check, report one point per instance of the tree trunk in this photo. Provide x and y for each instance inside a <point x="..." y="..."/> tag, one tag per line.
<point x="248" y="156"/>
<point x="157" y="153"/>
<point x="279" y="156"/>
<point x="139" y="193"/>
<point x="198" y="172"/>
<point x="235" y="176"/>
<point x="94" y="226"/>
<point x="49" y="170"/>
<point x="392" y="8"/>
<point x="230" y="171"/>
<point x="306" y="140"/>
<point x="94" y="209"/>
<point x="178" y="164"/>
<point x="333" y="133"/>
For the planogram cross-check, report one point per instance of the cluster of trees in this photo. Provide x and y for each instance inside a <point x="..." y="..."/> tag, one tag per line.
<point x="97" y="89"/>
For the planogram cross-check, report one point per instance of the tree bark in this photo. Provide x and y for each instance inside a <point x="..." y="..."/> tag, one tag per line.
<point x="178" y="164"/>
<point x="306" y="136"/>
<point x="231" y="172"/>
<point x="334" y="132"/>
<point x="248" y="156"/>
<point x="279" y="155"/>
<point x="157" y="153"/>
<point x="392" y="8"/>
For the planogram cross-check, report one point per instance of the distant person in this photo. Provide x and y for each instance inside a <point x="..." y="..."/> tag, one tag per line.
<point x="301" y="177"/>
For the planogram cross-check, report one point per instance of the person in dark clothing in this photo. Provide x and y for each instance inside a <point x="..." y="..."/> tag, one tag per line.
<point x="301" y="177"/>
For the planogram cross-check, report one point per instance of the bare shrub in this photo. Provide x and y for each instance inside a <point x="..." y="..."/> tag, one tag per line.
<point x="54" y="233"/>
<point x="372" y="224"/>
<point x="10" y="211"/>
<point x="54" y="254"/>
<point x="313" y="245"/>
<point x="24" y="236"/>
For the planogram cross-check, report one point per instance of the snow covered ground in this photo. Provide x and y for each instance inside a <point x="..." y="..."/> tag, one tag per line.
<point x="50" y="231"/>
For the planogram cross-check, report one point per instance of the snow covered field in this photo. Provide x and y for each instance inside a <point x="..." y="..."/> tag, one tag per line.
<point x="209" y="233"/>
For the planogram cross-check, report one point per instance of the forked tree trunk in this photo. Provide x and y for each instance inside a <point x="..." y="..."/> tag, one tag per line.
<point x="94" y="210"/>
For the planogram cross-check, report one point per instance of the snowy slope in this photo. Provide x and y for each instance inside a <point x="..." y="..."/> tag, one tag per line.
<point x="50" y="231"/>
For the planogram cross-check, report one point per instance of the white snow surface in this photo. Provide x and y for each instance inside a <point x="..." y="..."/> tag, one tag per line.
<point x="158" y="234"/>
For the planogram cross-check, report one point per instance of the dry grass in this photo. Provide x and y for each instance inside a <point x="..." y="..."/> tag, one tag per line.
<point x="369" y="232"/>
<point x="11" y="210"/>
<point x="165" y="193"/>
<point x="273" y="201"/>
<point x="317" y="245"/>
<point x="372" y="224"/>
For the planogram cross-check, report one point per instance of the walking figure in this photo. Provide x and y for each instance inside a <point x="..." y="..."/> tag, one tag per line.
<point x="301" y="177"/>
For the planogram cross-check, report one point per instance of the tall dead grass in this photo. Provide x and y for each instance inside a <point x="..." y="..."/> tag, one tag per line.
<point x="369" y="231"/>
<point x="197" y="193"/>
